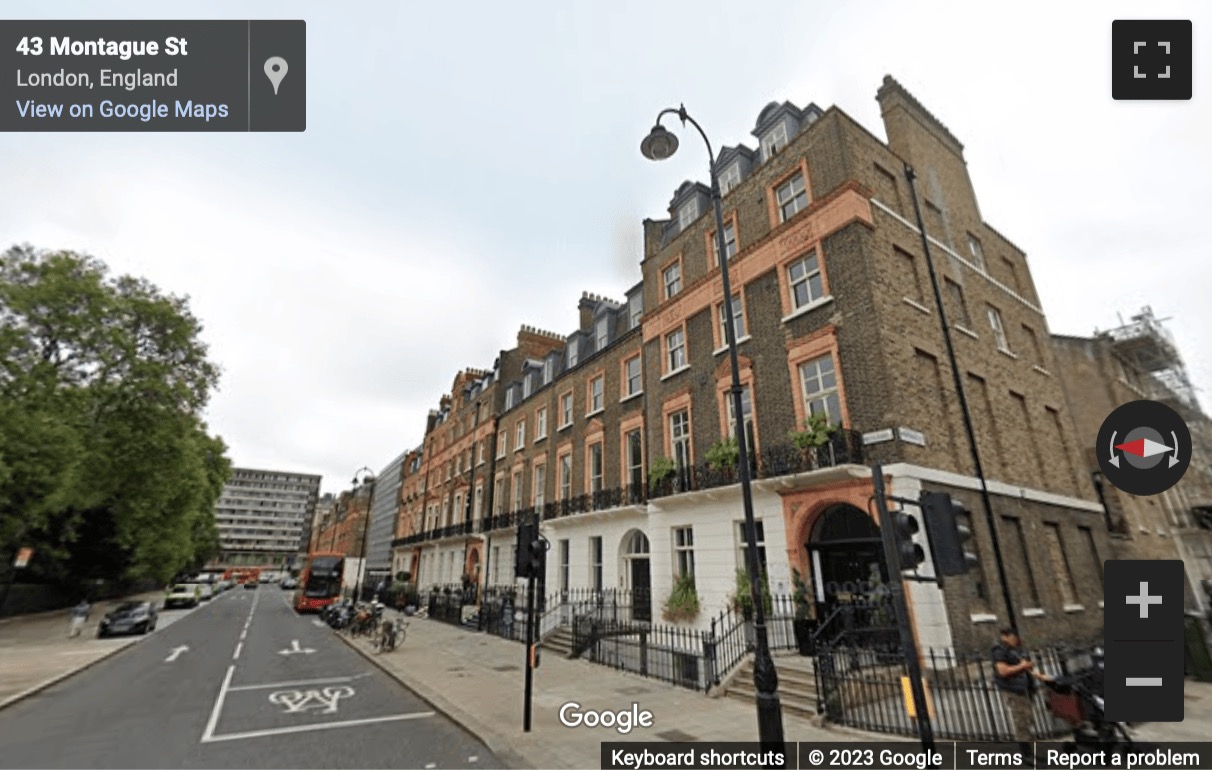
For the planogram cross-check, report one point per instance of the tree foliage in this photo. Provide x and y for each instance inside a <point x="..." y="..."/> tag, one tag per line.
<point x="106" y="467"/>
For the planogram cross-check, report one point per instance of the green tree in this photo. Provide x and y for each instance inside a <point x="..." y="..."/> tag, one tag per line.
<point x="106" y="467"/>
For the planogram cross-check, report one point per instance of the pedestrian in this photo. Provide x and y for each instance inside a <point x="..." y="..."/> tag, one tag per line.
<point x="80" y="614"/>
<point x="1015" y="677"/>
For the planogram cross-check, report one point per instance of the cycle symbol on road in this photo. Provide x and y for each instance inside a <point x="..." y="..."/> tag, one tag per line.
<point x="298" y="701"/>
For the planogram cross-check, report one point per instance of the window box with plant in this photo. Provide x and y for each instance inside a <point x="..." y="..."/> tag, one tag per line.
<point x="817" y="433"/>
<point x="742" y="600"/>
<point x="683" y="602"/>
<point x="722" y="458"/>
<point x="660" y="475"/>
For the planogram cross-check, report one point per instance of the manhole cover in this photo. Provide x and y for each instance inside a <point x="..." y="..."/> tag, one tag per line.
<point x="508" y="668"/>
<point x="677" y="736"/>
<point x="633" y="690"/>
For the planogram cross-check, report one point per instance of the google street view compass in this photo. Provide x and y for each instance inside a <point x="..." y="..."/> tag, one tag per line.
<point x="1144" y="447"/>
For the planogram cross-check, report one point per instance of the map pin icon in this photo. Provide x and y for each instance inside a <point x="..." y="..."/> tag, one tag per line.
<point x="275" y="70"/>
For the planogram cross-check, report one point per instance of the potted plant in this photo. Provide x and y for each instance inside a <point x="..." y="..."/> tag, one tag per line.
<point x="662" y="468"/>
<point x="683" y="602"/>
<point x="816" y="434"/>
<point x="723" y="454"/>
<point x="803" y="624"/>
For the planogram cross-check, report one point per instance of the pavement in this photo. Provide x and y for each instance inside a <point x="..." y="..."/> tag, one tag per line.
<point x="477" y="679"/>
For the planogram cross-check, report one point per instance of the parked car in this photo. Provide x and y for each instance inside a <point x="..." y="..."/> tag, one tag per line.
<point x="128" y="618"/>
<point x="289" y="584"/>
<point x="182" y="595"/>
<point x="250" y="584"/>
<point x="207" y="592"/>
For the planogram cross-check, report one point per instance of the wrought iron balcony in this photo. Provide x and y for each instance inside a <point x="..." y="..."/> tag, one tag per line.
<point x="843" y="447"/>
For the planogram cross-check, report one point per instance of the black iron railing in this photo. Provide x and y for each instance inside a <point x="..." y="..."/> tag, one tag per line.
<point x="863" y="687"/>
<point x="844" y="447"/>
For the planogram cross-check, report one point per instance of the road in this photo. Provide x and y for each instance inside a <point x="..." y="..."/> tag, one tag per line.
<point x="258" y="687"/>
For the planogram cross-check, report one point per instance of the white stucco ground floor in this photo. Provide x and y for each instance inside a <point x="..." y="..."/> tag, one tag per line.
<point x="822" y="527"/>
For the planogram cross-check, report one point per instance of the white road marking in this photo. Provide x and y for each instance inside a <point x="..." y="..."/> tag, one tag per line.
<point x="239" y="646"/>
<point x="329" y="680"/>
<point x="431" y="766"/>
<point x="243" y="634"/>
<point x="318" y="623"/>
<point x="295" y="649"/>
<point x="309" y="728"/>
<point x="214" y="714"/>
<point x="176" y="653"/>
<point x="299" y="700"/>
<point x="473" y="759"/>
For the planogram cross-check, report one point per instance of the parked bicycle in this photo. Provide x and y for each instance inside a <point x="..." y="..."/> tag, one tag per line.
<point x="391" y="635"/>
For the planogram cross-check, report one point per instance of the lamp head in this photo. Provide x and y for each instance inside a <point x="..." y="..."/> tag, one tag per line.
<point x="659" y="144"/>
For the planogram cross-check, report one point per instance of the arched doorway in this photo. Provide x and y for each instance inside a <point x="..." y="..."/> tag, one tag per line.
<point x="847" y="558"/>
<point x="637" y="575"/>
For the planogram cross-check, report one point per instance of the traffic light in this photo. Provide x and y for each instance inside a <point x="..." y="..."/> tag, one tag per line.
<point x="538" y="557"/>
<point x="528" y="533"/>
<point x="949" y="533"/>
<point x="904" y="527"/>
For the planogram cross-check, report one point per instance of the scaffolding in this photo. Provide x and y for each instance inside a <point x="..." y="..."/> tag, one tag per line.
<point x="1150" y="347"/>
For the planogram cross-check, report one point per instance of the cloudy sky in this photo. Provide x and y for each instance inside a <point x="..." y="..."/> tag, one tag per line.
<point x="470" y="167"/>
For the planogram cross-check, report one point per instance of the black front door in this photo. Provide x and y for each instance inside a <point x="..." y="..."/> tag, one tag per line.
<point x="641" y="590"/>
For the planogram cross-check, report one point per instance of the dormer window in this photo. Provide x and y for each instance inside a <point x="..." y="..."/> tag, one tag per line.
<point x="526" y="386"/>
<point x="548" y="370"/>
<point x="603" y="334"/>
<point x="774" y="141"/>
<point x="635" y="310"/>
<point x="572" y="353"/>
<point x="730" y="178"/>
<point x="688" y="213"/>
<point x="509" y="398"/>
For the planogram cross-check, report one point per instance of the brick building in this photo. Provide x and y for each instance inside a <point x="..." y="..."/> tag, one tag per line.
<point x="1102" y="372"/>
<point x="344" y="530"/>
<point x="614" y="434"/>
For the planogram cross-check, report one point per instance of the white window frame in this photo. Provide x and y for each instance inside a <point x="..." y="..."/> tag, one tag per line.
<point x="572" y="353"/>
<point x="517" y="490"/>
<point x="635" y="309"/>
<point x="540" y="485"/>
<point x="977" y="252"/>
<point x="798" y="197"/>
<point x="820" y="399"/>
<point x="520" y="436"/>
<point x="637" y="378"/>
<point x="730" y="178"/>
<point x="632" y="465"/>
<point x="478" y="509"/>
<point x="679" y="437"/>
<point x="742" y="561"/>
<point x="774" y="141"/>
<point x="498" y="496"/>
<point x="602" y="338"/>
<point x="688" y="213"/>
<point x="738" y="316"/>
<point x="729" y="243"/>
<point x="565" y="471"/>
<point x="673" y="284"/>
<point x="566" y="409"/>
<point x="747" y="407"/>
<point x="548" y="368"/>
<point x="597" y="471"/>
<point x="683" y="552"/>
<point x="805" y="280"/>
<point x="597" y="394"/>
<point x="679" y="350"/>
<point x="540" y="427"/>
<point x="509" y="397"/>
<point x="596" y="571"/>
<point x="564" y="550"/>
<point x="502" y="443"/>
<point x="999" y="330"/>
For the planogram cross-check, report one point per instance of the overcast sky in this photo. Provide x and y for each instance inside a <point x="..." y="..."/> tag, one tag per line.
<point x="470" y="167"/>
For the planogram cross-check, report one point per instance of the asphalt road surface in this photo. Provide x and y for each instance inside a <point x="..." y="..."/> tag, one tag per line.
<point x="258" y="687"/>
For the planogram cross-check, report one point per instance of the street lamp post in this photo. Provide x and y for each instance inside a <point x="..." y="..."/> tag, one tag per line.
<point x="659" y="145"/>
<point x="366" y="476"/>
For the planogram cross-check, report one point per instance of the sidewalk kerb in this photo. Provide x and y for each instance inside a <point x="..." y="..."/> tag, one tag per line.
<point x="500" y="745"/>
<point x="56" y="679"/>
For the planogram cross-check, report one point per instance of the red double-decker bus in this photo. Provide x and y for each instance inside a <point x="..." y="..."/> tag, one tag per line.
<point x="320" y="581"/>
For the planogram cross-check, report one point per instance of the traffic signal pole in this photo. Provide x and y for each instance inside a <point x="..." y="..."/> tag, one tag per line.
<point x="908" y="645"/>
<point x="529" y="655"/>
